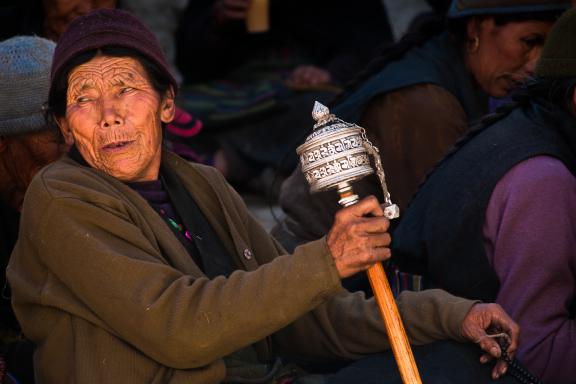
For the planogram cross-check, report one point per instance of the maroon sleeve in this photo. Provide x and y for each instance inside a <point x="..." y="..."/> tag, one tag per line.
<point x="413" y="128"/>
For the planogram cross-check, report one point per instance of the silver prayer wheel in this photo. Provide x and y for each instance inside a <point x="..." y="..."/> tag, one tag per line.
<point x="337" y="153"/>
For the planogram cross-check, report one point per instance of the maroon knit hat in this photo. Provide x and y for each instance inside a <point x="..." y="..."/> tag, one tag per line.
<point x="103" y="27"/>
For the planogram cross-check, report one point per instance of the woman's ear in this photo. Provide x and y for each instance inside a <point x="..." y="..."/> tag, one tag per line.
<point x="65" y="130"/>
<point x="168" y="107"/>
<point x="472" y="28"/>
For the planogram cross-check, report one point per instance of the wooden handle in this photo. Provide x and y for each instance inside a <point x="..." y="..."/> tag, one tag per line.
<point x="387" y="305"/>
<point x="393" y="323"/>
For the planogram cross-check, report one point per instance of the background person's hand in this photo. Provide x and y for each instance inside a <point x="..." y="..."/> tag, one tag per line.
<point x="231" y="10"/>
<point x="358" y="237"/>
<point x="483" y="320"/>
<point x="308" y="76"/>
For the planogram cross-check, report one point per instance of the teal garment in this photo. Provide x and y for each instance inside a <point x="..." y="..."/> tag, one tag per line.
<point x="437" y="61"/>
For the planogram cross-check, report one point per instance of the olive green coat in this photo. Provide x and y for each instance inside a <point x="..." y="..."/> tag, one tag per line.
<point x="110" y="295"/>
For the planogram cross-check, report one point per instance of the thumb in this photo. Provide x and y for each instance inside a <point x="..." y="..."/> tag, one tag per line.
<point x="489" y="344"/>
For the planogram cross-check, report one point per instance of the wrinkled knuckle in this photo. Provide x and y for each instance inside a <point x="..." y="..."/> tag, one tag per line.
<point x="387" y="238"/>
<point x="372" y="199"/>
<point x="385" y="224"/>
<point x="487" y="307"/>
<point x="366" y="256"/>
<point x="487" y="344"/>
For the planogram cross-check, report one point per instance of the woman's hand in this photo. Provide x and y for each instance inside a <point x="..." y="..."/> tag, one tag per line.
<point x="481" y="323"/>
<point x="358" y="237"/>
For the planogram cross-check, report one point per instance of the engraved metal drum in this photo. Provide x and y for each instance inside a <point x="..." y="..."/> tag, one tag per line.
<point x="338" y="153"/>
<point x="334" y="154"/>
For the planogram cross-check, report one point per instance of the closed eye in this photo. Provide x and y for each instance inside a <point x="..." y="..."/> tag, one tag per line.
<point x="534" y="41"/>
<point x="126" y="90"/>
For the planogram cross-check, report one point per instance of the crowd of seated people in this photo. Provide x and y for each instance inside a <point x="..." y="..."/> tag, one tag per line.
<point x="127" y="256"/>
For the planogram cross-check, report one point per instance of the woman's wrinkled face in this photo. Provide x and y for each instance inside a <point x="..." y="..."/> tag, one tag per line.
<point x="505" y="55"/>
<point x="114" y="117"/>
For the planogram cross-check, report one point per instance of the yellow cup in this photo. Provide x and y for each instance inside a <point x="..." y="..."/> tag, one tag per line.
<point x="258" y="17"/>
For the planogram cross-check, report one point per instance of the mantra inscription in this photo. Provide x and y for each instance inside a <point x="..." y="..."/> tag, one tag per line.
<point x="337" y="166"/>
<point x="334" y="157"/>
<point x="331" y="148"/>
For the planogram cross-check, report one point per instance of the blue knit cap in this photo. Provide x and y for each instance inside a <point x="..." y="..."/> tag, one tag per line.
<point x="465" y="8"/>
<point x="24" y="82"/>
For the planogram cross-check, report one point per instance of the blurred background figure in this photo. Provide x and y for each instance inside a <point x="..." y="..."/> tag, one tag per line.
<point x="46" y="18"/>
<point x="26" y="145"/>
<point x="402" y="14"/>
<point x="21" y="18"/>
<point x="254" y="92"/>
<point x="162" y="17"/>
<point x="59" y="13"/>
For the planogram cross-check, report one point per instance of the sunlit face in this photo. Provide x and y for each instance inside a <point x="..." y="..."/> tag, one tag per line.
<point x="506" y="54"/>
<point x="114" y="117"/>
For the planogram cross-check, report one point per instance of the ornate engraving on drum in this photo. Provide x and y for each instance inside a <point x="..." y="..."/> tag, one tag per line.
<point x="338" y="152"/>
<point x="324" y="150"/>
<point x="327" y="159"/>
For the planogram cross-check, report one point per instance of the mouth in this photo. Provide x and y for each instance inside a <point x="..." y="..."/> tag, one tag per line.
<point x="517" y="81"/>
<point x="117" y="145"/>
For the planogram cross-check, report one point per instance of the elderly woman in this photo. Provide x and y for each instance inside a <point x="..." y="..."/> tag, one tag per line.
<point x="136" y="266"/>
<point x="495" y="219"/>
<point x="418" y="98"/>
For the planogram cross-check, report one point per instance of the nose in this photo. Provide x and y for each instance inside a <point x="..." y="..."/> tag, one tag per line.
<point x="83" y="7"/>
<point x="110" y="113"/>
<point x="533" y="56"/>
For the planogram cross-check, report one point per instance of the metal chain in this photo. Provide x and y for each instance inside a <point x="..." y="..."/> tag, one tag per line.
<point x="391" y="210"/>
<point x="372" y="150"/>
